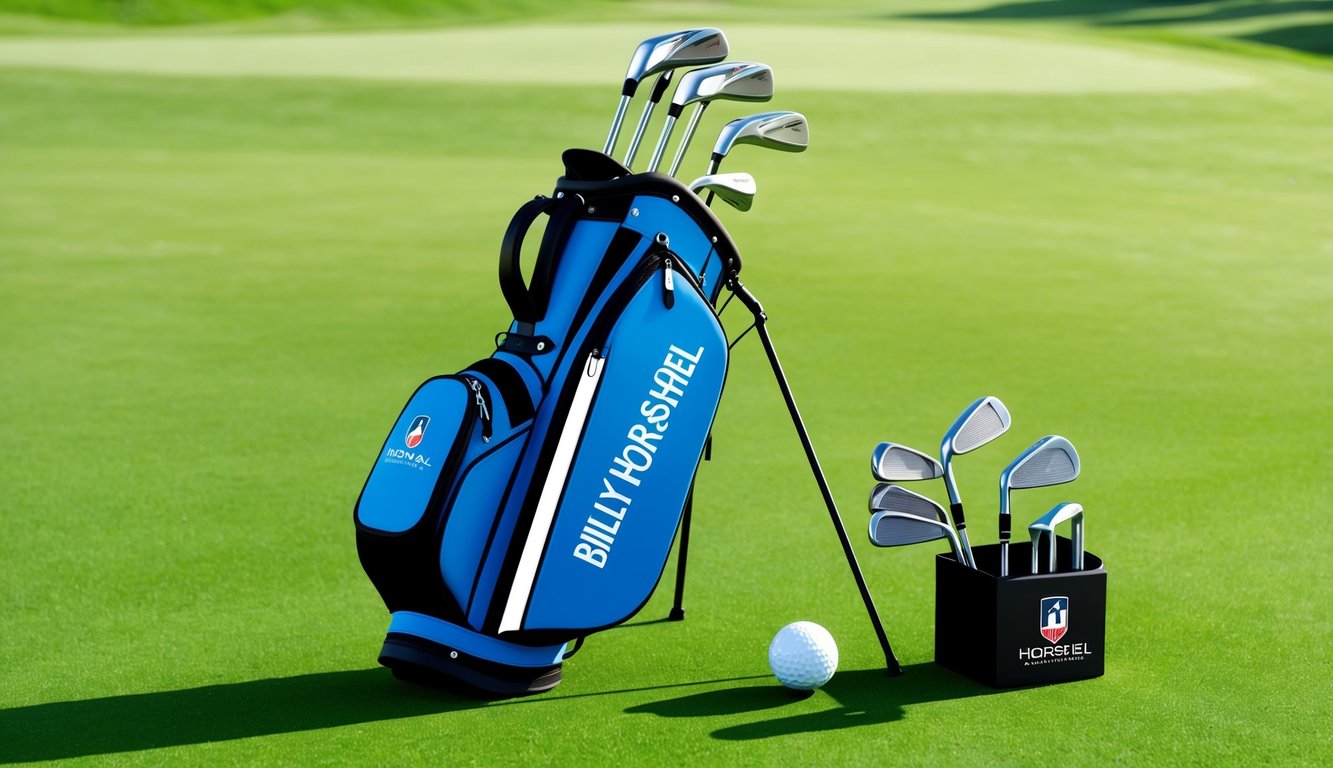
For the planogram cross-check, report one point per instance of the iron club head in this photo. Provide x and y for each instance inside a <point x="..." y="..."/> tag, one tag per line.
<point x="1051" y="460"/>
<point x="783" y="131"/>
<point x="733" y="81"/>
<point x="891" y="462"/>
<point x="735" y="189"/>
<point x="687" y="48"/>
<point x="895" y="529"/>
<point x="1044" y="527"/>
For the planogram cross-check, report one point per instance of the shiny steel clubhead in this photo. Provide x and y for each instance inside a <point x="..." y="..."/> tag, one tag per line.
<point x="783" y="131"/>
<point x="891" y="462"/>
<point x="687" y="48"/>
<point x="735" y="189"/>
<point x="1051" y="460"/>
<point x="979" y="423"/>
<point x="733" y="81"/>
<point x="895" y="498"/>
<point x="896" y="529"/>
<point x="1044" y="527"/>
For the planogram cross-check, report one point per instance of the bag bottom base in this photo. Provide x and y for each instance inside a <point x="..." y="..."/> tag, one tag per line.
<point x="423" y="662"/>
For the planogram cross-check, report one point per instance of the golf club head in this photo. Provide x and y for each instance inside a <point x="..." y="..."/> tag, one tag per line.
<point x="783" y="131"/>
<point x="687" y="48"/>
<point x="736" y="81"/>
<point x="891" y="462"/>
<point x="896" y="529"/>
<point x="732" y="81"/>
<point x="1051" y="460"/>
<point x="979" y="423"/>
<point x="735" y="189"/>
<point x="1045" y="525"/>
<point x="895" y="498"/>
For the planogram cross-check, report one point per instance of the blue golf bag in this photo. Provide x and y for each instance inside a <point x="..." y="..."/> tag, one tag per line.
<point x="532" y="498"/>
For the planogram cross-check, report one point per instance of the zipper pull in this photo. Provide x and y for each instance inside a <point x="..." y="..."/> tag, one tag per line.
<point x="482" y="410"/>
<point x="669" y="283"/>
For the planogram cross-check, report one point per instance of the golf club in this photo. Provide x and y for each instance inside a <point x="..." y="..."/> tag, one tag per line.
<point x="783" y="131"/>
<point x="891" y="462"/>
<point x="735" y="189"/>
<point x="737" y="81"/>
<point x="978" y="424"/>
<point x="903" y="517"/>
<point x="687" y="48"/>
<point x="896" y="529"/>
<point x="1044" y="526"/>
<point x="1051" y="460"/>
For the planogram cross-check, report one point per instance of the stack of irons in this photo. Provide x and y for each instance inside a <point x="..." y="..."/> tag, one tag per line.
<point x="900" y="517"/>
<point x="713" y="81"/>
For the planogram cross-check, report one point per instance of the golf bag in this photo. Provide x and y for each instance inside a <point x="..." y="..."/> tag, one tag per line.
<point x="532" y="498"/>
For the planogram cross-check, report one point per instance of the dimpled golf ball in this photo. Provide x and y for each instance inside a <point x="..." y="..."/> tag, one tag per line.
<point x="803" y="656"/>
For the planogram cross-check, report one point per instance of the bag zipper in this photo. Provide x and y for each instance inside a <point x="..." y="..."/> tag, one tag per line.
<point x="483" y="412"/>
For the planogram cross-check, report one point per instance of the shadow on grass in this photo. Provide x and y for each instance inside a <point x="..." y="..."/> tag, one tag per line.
<point x="867" y="697"/>
<point x="1309" y="38"/>
<point x="142" y="721"/>
<point x="1054" y="9"/>
<point x="67" y="729"/>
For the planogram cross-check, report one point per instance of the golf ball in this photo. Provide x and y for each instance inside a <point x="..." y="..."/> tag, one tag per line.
<point x="803" y="656"/>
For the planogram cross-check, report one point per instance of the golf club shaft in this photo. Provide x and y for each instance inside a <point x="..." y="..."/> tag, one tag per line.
<point x="663" y="80"/>
<point x="615" y="125"/>
<point x="760" y="321"/>
<point x="660" y="149"/>
<point x="685" y="137"/>
<point x="967" y="546"/>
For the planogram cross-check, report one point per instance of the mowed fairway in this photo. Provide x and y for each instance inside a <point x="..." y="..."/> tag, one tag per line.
<point x="226" y="261"/>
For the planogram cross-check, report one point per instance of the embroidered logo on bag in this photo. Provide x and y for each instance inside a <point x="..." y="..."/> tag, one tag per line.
<point x="417" y="431"/>
<point x="1054" y="618"/>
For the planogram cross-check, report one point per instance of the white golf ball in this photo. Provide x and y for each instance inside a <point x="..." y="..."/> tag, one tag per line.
<point x="803" y="656"/>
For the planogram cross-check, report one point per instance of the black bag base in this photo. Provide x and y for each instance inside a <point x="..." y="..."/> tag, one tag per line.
<point x="420" y="661"/>
<point x="998" y="632"/>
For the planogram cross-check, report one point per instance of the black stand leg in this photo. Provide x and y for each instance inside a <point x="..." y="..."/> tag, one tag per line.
<point x="677" y="611"/>
<point x="760" y="320"/>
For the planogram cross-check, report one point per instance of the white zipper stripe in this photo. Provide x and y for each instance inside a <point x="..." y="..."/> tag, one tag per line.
<point x="544" y="517"/>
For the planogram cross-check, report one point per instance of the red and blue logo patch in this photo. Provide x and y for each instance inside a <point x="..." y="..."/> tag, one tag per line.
<point x="1054" y="618"/>
<point x="417" y="431"/>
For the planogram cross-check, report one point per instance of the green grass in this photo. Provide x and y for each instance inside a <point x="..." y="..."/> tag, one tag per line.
<point x="216" y="291"/>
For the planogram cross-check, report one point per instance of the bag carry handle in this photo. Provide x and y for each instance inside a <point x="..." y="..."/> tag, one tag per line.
<point x="528" y="302"/>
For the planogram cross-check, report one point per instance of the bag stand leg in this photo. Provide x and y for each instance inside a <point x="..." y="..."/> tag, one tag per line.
<point x="760" y="320"/>
<point x="677" y="611"/>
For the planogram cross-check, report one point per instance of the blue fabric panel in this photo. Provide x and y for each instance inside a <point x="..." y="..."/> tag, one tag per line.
<point x="659" y="392"/>
<point x="404" y="476"/>
<point x="472" y="514"/>
<point x="658" y="214"/>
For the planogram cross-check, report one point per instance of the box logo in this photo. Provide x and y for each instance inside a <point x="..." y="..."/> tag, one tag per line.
<point x="1054" y="618"/>
<point x="417" y="431"/>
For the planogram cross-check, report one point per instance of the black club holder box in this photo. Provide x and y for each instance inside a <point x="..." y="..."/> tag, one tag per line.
<point x="1026" y="629"/>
